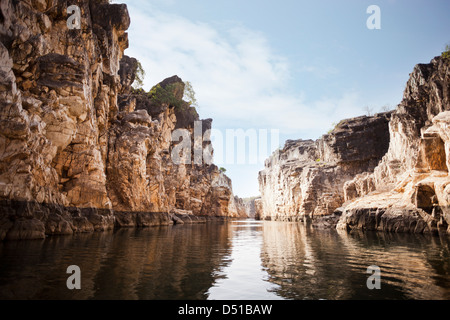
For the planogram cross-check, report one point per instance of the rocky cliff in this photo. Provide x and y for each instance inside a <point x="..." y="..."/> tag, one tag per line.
<point x="388" y="172"/>
<point x="408" y="189"/>
<point x="306" y="178"/>
<point x="248" y="207"/>
<point x="79" y="149"/>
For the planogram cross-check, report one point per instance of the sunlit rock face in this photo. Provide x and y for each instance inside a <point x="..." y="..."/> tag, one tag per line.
<point x="407" y="192"/>
<point x="77" y="147"/>
<point x="58" y="93"/>
<point x="306" y="177"/>
<point x="341" y="173"/>
<point x="425" y="96"/>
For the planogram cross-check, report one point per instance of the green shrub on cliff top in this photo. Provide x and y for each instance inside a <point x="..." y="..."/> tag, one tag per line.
<point x="446" y="53"/>
<point x="165" y="95"/>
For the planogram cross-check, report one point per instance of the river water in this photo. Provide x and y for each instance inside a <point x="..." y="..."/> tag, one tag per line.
<point x="239" y="260"/>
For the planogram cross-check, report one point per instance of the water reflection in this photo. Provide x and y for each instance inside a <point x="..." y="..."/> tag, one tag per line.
<point x="244" y="278"/>
<point x="237" y="260"/>
<point x="314" y="264"/>
<point x="156" y="263"/>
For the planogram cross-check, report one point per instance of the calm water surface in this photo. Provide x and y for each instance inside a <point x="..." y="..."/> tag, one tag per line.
<point x="233" y="261"/>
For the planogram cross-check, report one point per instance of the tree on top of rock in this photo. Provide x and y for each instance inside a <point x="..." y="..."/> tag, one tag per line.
<point x="139" y="76"/>
<point x="189" y="94"/>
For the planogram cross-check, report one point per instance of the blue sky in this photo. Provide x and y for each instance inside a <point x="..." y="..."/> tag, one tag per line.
<point x="290" y="65"/>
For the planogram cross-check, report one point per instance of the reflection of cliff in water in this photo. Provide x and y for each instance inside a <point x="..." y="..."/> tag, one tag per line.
<point x="293" y="263"/>
<point x="313" y="264"/>
<point x="155" y="263"/>
<point x="244" y="278"/>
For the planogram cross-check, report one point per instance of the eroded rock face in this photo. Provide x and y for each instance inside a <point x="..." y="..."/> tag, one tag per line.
<point x="425" y="96"/>
<point x="409" y="186"/>
<point x="58" y="100"/>
<point x="258" y="209"/>
<point x="145" y="176"/>
<point x="246" y="207"/>
<point x="306" y="178"/>
<point x="75" y="142"/>
<point x="407" y="191"/>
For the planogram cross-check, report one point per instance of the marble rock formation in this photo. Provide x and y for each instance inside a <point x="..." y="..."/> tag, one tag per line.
<point x="306" y="178"/>
<point x="387" y="173"/>
<point x="408" y="189"/>
<point x="80" y="150"/>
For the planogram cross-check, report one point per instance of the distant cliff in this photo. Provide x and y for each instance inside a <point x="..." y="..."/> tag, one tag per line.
<point x="79" y="149"/>
<point x="249" y="207"/>
<point x="388" y="172"/>
<point x="305" y="179"/>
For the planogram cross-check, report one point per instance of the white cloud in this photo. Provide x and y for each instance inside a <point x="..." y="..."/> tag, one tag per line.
<point x="239" y="80"/>
<point x="320" y="71"/>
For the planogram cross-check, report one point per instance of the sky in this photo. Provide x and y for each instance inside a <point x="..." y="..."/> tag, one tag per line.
<point x="286" y="69"/>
